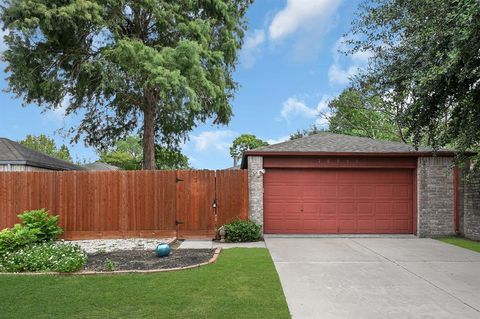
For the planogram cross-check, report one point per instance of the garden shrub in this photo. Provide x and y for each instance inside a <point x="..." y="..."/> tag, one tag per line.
<point x="42" y="257"/>
<point x="45" y="224"/>
<point x="242" y="231"/>
<point x="15" y="237"/>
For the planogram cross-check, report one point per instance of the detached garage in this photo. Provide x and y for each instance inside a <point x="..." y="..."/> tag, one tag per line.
<point x="337" y="184"/>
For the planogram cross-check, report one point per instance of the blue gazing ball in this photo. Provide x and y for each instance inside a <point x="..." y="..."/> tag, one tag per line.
<point x="163" y="250"/>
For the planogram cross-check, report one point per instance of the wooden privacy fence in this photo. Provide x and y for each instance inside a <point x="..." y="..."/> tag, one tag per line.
<point x="113" y="204"/>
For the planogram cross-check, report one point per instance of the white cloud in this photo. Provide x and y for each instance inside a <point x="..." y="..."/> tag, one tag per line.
<point x="344" y="68"/>
<point x="293" y="107"/>
<point x="251" y="47"/>
<point x="219" y="140"/>
<point x="341" y="76"/>
<point x="58" y="113"/>
<point x="301" y="14"/>
<point x="277" y="140"/>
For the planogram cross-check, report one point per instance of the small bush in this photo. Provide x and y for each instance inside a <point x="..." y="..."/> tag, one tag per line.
<point x="47" y="256"/>
<point x="110" y="265"/>
<point x="242" y="231"/>
<point x="45" y="224"/>
<point x="15" y="237"/>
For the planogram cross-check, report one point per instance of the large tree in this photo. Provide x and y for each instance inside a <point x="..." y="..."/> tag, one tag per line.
<point x="244" y="143"/>
<point x="47" y="145"/>
<point x="154" y="67"/>
<point x="127" y="154"/>
<point x="355" y="113"/>
<point x="426" y="64"/>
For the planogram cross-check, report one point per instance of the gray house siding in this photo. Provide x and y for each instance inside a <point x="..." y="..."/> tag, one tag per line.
<point x="21" y="168"/>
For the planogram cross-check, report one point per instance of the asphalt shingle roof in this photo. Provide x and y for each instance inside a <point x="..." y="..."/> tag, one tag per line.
<point x="100" y="166"/>
<point x="338" y="143"/>
<point x="14" y="153"/>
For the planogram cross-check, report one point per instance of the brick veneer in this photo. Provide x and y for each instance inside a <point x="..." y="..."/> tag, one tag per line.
<point x="435" y="197"/>
<point x="255" y="189"/>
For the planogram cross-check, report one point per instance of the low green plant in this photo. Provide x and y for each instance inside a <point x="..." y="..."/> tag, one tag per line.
<point x="110" y="265"/>
<point x="45" y="224"/>
<point x="42" y="257"/>
<point x="242" y="231"/>
<point x="15" y="237"/>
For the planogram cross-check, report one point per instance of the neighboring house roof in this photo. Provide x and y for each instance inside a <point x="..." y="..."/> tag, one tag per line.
<point x="337" y="144"/>
<point x="100" y="166"/>
<point x="234" y="167"/>
<point x="16" y="154"/>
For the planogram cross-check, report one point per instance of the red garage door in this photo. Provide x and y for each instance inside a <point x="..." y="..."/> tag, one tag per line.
<point x="343" y="201"/>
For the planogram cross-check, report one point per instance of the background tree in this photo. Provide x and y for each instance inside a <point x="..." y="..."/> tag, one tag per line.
<point x="314" y="129"/>
<point x="353" y="113"/>
<point x="47" y="145"/>
<point x="127" y="154"/>
<point x="244" y="143"/>
<point x="155" y="66"/>
<point x="426" y="64"/>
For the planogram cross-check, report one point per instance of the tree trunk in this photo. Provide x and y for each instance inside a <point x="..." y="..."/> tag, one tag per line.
<point x="148" y="140"/>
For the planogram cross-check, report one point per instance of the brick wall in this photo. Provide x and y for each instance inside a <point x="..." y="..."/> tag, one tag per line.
<point x="255" y="189"/>
<point x="471" y="207"/>
<point x="435" y="199"/>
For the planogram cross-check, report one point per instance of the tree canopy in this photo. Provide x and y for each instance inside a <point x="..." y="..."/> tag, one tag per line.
<point x="244" y="143"/>
<point x="426" y="65"/>
<point x="127" y="154"/>
<point x="353" y="113"/>
<point x="47" y="145"/>
<point x="155" y="67"/>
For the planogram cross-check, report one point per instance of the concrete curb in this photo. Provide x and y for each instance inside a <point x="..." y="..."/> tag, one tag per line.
<point x="89" y="273"/>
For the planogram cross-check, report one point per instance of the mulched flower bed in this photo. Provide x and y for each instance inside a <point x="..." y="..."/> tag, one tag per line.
<point x="146" y="259"/>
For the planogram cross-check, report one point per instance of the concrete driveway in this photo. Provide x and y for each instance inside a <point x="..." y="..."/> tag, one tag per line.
<point x="377" y="278"/>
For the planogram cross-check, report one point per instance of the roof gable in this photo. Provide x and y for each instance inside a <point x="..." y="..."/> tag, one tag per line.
<point x="14" y="153"/>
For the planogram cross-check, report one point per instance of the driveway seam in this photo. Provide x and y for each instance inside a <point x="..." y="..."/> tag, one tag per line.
<point x="416" y="275"/>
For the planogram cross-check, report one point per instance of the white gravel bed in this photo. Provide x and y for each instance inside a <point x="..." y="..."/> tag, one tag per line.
<point x="107" y="245"/>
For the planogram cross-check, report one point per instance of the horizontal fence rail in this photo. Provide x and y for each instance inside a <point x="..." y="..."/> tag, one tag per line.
<point x="115" y="204"/>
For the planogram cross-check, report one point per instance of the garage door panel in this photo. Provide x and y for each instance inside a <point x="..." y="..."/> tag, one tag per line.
<point x="324" y="191"/>
<point x="366" y="208"/>
<point x="367" y="191"/>
<point x="347" y="226"/>
<point x="346" y="191"/>
<point x="365" y="226"/>
<point x="384" y="225"/>
<point x="285" y="191"/>
<point x="338" y="201"/>
<point x="402" y="191"/>
<point x="385" y="191"/>
<point x="383" y="208"/>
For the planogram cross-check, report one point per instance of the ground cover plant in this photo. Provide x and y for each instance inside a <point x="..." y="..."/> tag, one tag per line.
<point x="243" y="283"/>
<point x="30" y="246"/>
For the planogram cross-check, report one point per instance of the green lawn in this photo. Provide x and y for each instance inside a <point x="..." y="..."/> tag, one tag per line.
<point x="462" y="242"/>
<point x="242" y="284"/>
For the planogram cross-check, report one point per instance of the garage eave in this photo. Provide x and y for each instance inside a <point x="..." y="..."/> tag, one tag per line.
<point x="244" y="163"/>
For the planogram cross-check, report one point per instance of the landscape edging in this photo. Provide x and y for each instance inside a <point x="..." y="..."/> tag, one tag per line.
<point x="88" y="273"/>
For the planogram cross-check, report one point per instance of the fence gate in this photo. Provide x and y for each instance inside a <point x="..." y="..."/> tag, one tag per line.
<point x="195" y="204"/>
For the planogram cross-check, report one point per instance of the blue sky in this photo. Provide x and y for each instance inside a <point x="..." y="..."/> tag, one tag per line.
<point x="289" y="68"/>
